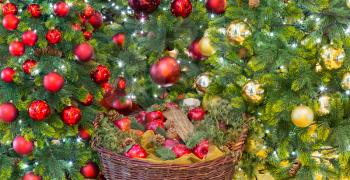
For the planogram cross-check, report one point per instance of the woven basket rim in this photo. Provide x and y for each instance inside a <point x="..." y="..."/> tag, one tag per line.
<point x="101" y="149"/>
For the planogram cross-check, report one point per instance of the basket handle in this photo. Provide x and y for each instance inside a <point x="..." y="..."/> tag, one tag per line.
<point x="239" y="146"/>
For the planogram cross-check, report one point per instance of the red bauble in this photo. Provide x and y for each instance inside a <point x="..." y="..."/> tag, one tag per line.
<point x="88" y="11"/>
<point x="22" y="146"/>
<point x="124" y="124"/>
<point x="136" y="151"/>
<point x="71" y="115"/>
<point x="216" y="6"/>
<point x="29" y="38"/>
<point x="201" y="150"/>
<point x="54" y="36"/>
<point x="96" y="20"/>
<point x="107" y="87"/>
<point x="146" y="6"/>
<point x="194" y="51"/>
<point x="10" y="22"/>
<point x="154" y="115"/>
<point x="84" y="52"/>
<point x="88" y="100"/>
<point x="119" y="39"/>
<point x="84" y="134"/>
<point x="180" y="150"/>
<point x="7" y="74"/>
<point x="181" y="8"/>
<point x="165" y="72"/>
<point x="87" y="35"/>
<point x="9" y="8"/>
<point x="39" y="110"/>
<point x="28" y="65"/>
<point x="121" y="83"/>
<point x="122" y="105"/>
<point x="196" y="114"/>
<point x="53" y="82"/>
<point x="141" y="117"/>
<point x="34" y="10"/>
<point x="101" y="74"/>
<point x="90" y="170"/>
<point x="61" y="9"/>
<point x="155" y="124"/>
<point x="31" y="176"/>
<point x="17" y="48"/>
<point x="8" y="112"/>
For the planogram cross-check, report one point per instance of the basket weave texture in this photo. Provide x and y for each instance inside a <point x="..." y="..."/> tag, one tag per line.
<point x="119" y="167"/>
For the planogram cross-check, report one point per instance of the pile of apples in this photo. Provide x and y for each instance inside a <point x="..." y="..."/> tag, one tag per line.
<point x="154" y="120"/>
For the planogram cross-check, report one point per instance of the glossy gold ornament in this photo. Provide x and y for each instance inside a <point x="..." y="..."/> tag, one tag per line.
<point x="345" y="83"/>
<point x="323" y="105"/>
<point x="202" y="82"/>
<point x="253" y="92"/>
<point x="237" y="32"/>
<point x="302" y="116"/>
<point x="332" y="58"/>
<point x="206" y="47"/>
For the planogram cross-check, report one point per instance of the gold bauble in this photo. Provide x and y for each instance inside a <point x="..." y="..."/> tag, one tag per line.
<point x="206" y="47"/>
<point x="332" y="58"/>
<point x="202" y="82"/>
<point x="323" y="105"/>
<point x="253" y="92"/>
<point x="302" y="116"/>
<point x="345" y="83"/>
<point x="237" y="32"/>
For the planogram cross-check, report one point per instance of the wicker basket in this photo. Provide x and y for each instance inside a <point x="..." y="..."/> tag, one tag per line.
<point x="119" y="167"/>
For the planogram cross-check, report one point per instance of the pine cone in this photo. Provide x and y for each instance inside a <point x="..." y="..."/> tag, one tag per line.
<point x="171" y="133"/>
<point x="98" y="119"/>
<point x="128" y="142"/>
<point x="294" y="169"/>
<point x="112" y="115"/>
<point x="158" y="140"/>
<point x="254" y="3"/>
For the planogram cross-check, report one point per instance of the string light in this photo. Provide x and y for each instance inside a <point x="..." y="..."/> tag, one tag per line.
<point x="70" y="163"/>
<point x="322" y="88"/>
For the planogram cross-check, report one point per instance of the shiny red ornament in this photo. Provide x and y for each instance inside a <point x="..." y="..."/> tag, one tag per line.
<point x="195" y="52"/>
<point x="90" y="170"/>
<point x="181" y="8"/>
<point x="101" y="74"/>
<point x="34" y="10"/>
<point x="122" y="105"/>
<point x="155" y="124"/>
<point x="28" y="65"/>
<point x="8" y="74"/>
<point x="88" y="11"/>
<point x="107" y="88"/>
<point x="31" y="176"/>
<point x="10" y="22"/>
<point x="146" y="6"/>
<point x="71" y="115"/>
<point x="87" y="35"/>
<point x="141" y="117"/>
<point x="29" y="38"/>
<point x="9" y="8"/>
<point x="124" y="124"/>
<point x="22" y="146"/>
<point x="54" y="36"/>
<point x="88" y="100"/>
<point x="180" y="150"/>
<point x="8" y="112"/>
<point x="84" y="134"/>
<point x="136" y="151"/>
<point x="119" y="39"/>
<point x="61" y="9"/>
<point x="202" y="149"/>
<point x="196" y="114"/>
<point x="39" y="110"/>
<point x="17" y="48"/>
<point x="121" y="83"/>
<point x="84" y="52"/>
<point x="154" y="115"/>
<point x="165" y="72"/>
<point x="53" y="82"/>
<point x="216" y="6"/>
<point x="96" y="20"/>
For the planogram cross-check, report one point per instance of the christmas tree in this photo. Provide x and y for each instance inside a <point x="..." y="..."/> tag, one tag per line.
<point x="48" y="99"/>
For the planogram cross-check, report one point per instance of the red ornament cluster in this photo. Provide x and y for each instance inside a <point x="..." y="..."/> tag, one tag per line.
<point x="22" y="146"/>
<point x="71" y="115"/>
<point x="165" y="72"/>
<point x="8" y="112"/>
<point x="39" y="110"/>
<point x="53" y="82"/>
<point x="54" y="36"/>
<point x="101" y="74"/>
<point x="181" y="8"/>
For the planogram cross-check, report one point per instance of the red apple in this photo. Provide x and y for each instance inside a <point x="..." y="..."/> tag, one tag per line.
<point x="196" y="114"/>
<point x="22" y="146"/>
<point x="201" y="150"/>
<point x="154" y="115"/>
<point x="153" y="125"/>
<point x="124" y="124"/>
<point x="170" y="143"/>
<point x="136" y="151"/>
<point x="141" y="117"/>
<point x="84" y="134"/>
<point x="180" y="150"/>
